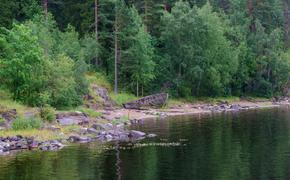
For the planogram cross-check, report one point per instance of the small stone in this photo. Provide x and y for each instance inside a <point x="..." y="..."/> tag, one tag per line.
<point x="76" y="138"/>
<point x="109" y="137"/>
<point x="99" y="126"/>
<point x="83" y="130"/>
<point x="92" y="131"/>
<point x="151" y="135"/>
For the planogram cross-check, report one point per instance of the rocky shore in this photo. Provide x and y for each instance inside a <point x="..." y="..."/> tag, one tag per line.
<point x="105" y="128"/>
<point x="27" y="143"/>
<point x="98" y="132"/>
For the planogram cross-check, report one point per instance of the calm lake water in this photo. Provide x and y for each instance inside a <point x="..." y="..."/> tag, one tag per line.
<point x="245" y="145"/>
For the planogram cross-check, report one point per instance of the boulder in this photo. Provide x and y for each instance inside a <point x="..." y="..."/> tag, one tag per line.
<point x="235" y="107"/>
<point x="72" y="118"/>
<point x="9" y="114"/>
<point x="68" y="121"/>
<point x="136" y="134"/>
<point x="76" y="138"/>
<point x="99" y="126"/>
<point x="50" y="145"/>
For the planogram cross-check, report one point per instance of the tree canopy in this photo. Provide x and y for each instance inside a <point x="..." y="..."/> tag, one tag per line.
<point x="188" y="48"/>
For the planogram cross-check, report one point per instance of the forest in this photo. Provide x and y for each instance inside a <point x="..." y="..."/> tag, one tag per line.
<point x="190" y="48"/>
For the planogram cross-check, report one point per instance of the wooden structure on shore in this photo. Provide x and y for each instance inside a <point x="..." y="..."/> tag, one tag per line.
<point x="152" y="100"/>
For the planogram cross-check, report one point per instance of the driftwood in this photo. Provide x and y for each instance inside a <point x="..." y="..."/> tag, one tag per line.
<point x="152" y="100"/>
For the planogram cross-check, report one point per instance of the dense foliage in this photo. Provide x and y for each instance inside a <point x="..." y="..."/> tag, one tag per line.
<point x="188" y="48"/>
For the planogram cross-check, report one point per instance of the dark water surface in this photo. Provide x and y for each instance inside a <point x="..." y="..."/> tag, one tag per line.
<point x="245" y="145"/>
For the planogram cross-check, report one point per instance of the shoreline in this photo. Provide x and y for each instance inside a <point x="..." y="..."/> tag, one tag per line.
<point x="104" y="130"/>
<point x="189" y="109"/>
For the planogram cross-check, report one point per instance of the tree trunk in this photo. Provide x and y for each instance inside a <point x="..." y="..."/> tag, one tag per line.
<point x="250" y="9"/>
<point x="96" y="29"/>
<point x="286" y="22"/>
<point x="137" y="88"/>
<point x="116" y="56"/>
<point x="146" y="15"/>
<point x="224" y="4"/>
<point x="116" y="63"/>
<point x="45" y="8"/>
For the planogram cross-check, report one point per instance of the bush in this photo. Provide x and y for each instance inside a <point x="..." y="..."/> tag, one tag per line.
<point x="23" y="123"/>
<point x="25" y="69"/>
<point x="122" y="98"/>
<point x="63" y="85"/>
<point x="98" y="79"/>
<point x="2" y="120"/>
<point x="35" y="78"/>
<point x="47" y="113"/>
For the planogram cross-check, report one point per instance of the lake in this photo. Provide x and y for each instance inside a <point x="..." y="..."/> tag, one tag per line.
<point x="253" y="144"/>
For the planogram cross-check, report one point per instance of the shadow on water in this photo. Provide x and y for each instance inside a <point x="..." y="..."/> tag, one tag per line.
<point x="245" y="145"/>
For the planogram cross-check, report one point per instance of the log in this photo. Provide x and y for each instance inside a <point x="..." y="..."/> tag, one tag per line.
<point x="152" y="100"/>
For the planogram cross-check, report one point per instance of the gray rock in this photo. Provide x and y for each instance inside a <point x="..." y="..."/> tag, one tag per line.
<point x="104" y="94"/>
<point x="33" y="145"/>
<point x="71" y="118"/>
<point x="9" y="115"/>
<point x="68" y="121"/>
<point x="235" y="107"/>
<point x="98" y="126"/>
<point x="108" y="137"/>
<point x="83" y="130"/>
<point x="92" y="131"/>
<point x="136" y="134"/>
<point x="151" y="135"/>
<point x="76" y="138"/>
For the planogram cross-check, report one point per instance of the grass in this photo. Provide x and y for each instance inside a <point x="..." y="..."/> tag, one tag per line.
<point x="47" y="113"/>
<point x="2" y="120"/>
<point x="122" y="98"/>
<point x="98" y="79"/>
<point x="10" y="104"/>
<point x="40" y="135"/>
<point x="22" y="123"/>
<point x="69" y="129"/>
<point x="122" y="120"/>
<point x="218" y="99"/>
<point x="213" y="100"/>
<point x="6" y="102"/>
<point x="90" y="112"/>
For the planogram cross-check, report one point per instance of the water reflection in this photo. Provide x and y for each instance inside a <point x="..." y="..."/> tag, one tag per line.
<point x="247" y="145"/>
<point x="118" y="161"/>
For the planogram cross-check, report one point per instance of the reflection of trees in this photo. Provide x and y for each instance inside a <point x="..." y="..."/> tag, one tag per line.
<point x="248" y="145"/>
<point x="70" y="163"/>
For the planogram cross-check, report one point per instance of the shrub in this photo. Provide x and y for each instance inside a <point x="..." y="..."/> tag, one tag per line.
<point x="98" y="79"/>
<point x="47" y="113"/>
<point x="122" y="98"/>
<point x="23" y="123"/>
<point x="122" y="120"/>
<point x="2" y="120"/>
<point x="63" y="85"/>
<point x="25" y="69"/>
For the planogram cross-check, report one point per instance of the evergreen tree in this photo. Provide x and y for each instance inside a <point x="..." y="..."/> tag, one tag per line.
<point x="137" y="65"/>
